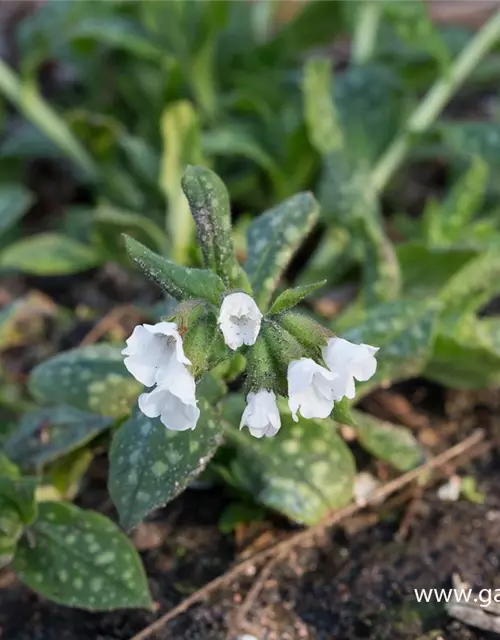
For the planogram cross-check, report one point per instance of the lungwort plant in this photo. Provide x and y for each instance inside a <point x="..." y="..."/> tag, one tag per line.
<point x="241" y="386"/>
<point x="230" y="324"/>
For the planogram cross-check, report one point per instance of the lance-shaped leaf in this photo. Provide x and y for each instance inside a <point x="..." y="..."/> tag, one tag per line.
<point x="345" y="190"/>
<point x="404" y="331"/>
<point x="386" y="441"/>
<point x="47" y="434"/>
<point x="182" y="283"/>
<point x="209" y="202"/>
<point x="150" y="465"/>
<point x="91" y="378"/>
<point x="321" y="114"/>
<point x="180" y="129"/>
<point x="291" y="297"/>
<point x="81" y="559"/>
<point x="49" y="254"/>
<point x="304" y="472"/>
<point x="273" y="238"/>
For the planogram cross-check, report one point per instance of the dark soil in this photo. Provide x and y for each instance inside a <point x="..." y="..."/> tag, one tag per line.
<point x="355" y="583"/>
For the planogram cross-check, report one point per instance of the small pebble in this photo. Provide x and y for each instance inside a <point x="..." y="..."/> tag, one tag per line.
<point x="450" y="491"/>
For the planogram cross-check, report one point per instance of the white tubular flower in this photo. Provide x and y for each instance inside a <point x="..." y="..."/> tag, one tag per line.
<point x="173" y="400"/>
<point x="239" y="320"/>
<point x="261" y="414"/>
<point x="349" y="361"/>
<point x="310" y="389"/>
<point x="151" y="348"/>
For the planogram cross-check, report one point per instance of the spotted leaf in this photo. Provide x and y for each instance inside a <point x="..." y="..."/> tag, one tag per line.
<point x="404" y="330"/>
<point x="387" y="441"/>
<point x="150" y="465"/>
<point x="90" y="378"/>
<point x="273" y="238"/>
<point x="305" y="471"/>
<point x="47" y="434"/>
<point x="182" y="283"/>
<point x="209" y="203"/>
<point x="81" y="559"/>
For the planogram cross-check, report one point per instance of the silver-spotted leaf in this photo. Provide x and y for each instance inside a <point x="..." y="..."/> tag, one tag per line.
<point x="150" y="465"/>
<point x="209" y="203"/>
<point x="81" y="559"/>
<point x="404" y="331"/>
<point x="91" y="378"/>
<point x="273" y="238"/>
<point x="182" y="283"/>
<point x="389" y="442"/>
<point x="47" y="434"/>
<point x="304" y="472"/>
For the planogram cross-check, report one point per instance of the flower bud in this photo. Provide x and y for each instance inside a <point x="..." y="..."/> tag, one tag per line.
<point x="311" y="335"/>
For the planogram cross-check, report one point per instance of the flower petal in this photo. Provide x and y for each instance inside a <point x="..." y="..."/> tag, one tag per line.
<point x="239" y="320"/>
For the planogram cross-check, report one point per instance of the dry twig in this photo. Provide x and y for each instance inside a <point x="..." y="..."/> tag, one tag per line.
<point x="467" y="446"/>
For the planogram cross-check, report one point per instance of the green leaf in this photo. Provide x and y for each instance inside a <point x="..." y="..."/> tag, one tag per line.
<point x="304" y="472"/>
<point x="182" y="283"/>
<point x="273" y="238"/>
<point x="345" y="191"/>
<point x="31" y="104"/>
<point x="372" y="104"/>
<point x="230" y="141"/>
<point x="209" y="203"/>
<point x="49" y="254"/>
<point x="316" y="24"/>
<point x="321" y="115"/>
<point x="62" y="479"/>
<point x="19" y="493"/>
<point x="388" y="442"/>
<point x="449" y="221"/>
<point x="150" y="465"/>
<point x="182" y="145"/>
<point x="81" y="559"/>
<point x="474" y="284"/>
<point x="91" y="378"/>
<point x="469" y="139"/>
<point x="117" y="33"/>
<point x="466" y="353"/>
<point x="15" y="200"/>
<point x="426" y="270"/>
<point x="404" y="331"/>
<point x="110" y="222"/>
<point x="47" y="434"/>
<point x="414" y="26"/>
<point x="291" y="297"/>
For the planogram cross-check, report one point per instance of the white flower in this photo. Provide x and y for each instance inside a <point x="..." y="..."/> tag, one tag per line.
<point x="261" y="414"/>
<point x="173" y="399"/>
<point x="239" y="320"/>
<point x="349" y="361"/>
<point x="310" y="389"/>
<point x="151" y="348"/>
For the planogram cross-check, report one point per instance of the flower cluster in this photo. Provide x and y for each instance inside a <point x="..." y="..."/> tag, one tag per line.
<point x="155" y="357"/>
